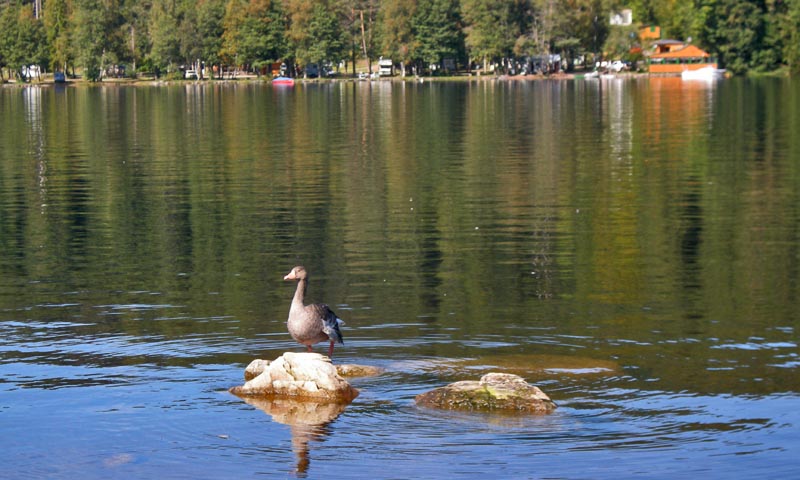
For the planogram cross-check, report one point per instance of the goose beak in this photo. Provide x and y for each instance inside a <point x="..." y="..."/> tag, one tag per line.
<point x="290" y="276"/>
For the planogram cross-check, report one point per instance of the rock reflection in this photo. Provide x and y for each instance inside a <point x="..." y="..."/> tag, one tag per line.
<point x="308" y="420"/>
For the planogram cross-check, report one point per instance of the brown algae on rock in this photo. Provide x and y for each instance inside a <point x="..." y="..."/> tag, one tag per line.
<point x="493" y="392"/>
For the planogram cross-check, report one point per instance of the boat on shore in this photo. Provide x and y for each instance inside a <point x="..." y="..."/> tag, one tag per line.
<point x="705" y="73"/>
<point x="281" y="80"/>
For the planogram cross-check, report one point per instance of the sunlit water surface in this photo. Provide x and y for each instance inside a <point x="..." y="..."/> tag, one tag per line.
<point x="631" y="246"/>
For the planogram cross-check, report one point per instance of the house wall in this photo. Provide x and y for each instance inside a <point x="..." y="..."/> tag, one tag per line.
<point x="678" y="67"/>
<point x="652" y="32"/>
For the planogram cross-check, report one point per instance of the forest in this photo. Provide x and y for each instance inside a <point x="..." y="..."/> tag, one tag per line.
<point x="161" y="36"/>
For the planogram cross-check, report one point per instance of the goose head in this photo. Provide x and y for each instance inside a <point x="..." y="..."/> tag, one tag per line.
<point x="297" y="273"/>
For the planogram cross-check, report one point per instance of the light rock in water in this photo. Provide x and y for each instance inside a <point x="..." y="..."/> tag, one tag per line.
<point x="255" y="368"/>
<point x="258" y="366"/>
<point x="301" y="376"/>
<point x="494" y="391"/>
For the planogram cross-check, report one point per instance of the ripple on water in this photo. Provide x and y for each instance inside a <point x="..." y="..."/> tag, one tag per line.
<point x="634" y="419"/>
<point x="56" y="355"/>
<point x="755" y="346"/>
<point x="616" y="420"/>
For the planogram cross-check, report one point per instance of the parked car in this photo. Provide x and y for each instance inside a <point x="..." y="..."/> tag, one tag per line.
<point x="30" y="72"/>
<point x="616" y="66"/>
<point x="385" y="67"/>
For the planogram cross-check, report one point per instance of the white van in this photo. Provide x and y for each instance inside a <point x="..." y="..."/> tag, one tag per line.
<point x="385" y="67"/>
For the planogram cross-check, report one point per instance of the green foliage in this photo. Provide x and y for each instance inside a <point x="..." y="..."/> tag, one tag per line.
<point x="32" y="40"/>
<point x="585" y="20"/>
<point x="681" y="22"/>
<point x="56" y="23"/>
<point x="397" y="30"/>
<point x="737" y="30"/>
<point x="254" y="32"/>
<point x="200" y="31"/>
<point x="88" y="25"/>
<point x="7" y="35"/>
<point x="645" y="11"/>
<point x="739" y="33"/>
<point x="438" y="30"/>
<point x="492" y="27"/>
<point x="22" y="39"/>
<point x="538" y="29"/>
<point x="324" y="39"/>
<point x="360" y="27"/>
<point x="209" y="30"/>
<point x="619" y="41"/>
<point x="789" y="31"/>
<point x="163" y="27"/>
<point x="134" y="33"/>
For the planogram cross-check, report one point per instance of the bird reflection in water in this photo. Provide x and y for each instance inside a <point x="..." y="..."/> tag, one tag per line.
<point x="308" y="420"/>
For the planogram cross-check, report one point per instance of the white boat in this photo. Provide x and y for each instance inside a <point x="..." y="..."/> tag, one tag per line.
<point x="705" y="73"/>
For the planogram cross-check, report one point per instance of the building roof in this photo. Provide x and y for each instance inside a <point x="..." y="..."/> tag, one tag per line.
<point x="689" y="51"/>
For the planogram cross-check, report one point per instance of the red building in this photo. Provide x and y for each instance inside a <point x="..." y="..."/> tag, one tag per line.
<point x="673" y="56"/>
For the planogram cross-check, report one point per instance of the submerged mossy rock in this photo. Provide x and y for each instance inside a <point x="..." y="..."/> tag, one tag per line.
<point x="494" y="391"/>
<point x="258" y="366"/>
<point x="353" y="370"/>
<point x="299" y="375"/>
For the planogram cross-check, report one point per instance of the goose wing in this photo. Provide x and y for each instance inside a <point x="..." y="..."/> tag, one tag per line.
<point x="330" y="322"/>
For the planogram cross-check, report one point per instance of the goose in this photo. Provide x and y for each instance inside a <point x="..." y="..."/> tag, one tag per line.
<point x="310" y="324"/>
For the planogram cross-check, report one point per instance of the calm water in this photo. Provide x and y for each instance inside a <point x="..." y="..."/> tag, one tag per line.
<point x="630" y="246"/>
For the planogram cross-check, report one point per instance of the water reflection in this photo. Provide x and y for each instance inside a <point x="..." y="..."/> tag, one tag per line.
<point x="36" y="138"/>
<point x="309" y="421"/>
<point x="630" y="245"/>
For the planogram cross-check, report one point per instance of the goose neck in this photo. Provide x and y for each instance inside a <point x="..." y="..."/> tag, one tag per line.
<point x="300" y="293"/>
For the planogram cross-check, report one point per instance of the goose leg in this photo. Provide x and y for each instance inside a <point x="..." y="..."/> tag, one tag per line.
<point x="309" y="349"/>
<point x="330" y="350"/>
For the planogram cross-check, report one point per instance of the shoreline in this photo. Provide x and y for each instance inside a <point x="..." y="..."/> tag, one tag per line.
<point x="47" y="80"/>
<point x="252" y="79"/>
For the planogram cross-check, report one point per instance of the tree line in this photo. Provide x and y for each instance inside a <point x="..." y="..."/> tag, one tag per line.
<point x="158" y="36"/>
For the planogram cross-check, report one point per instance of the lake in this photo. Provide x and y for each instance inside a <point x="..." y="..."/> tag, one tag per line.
<point x="629" y="245"/>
